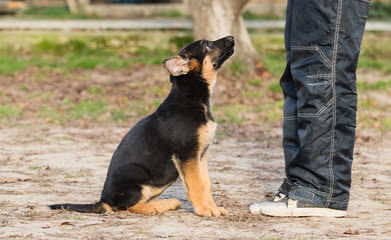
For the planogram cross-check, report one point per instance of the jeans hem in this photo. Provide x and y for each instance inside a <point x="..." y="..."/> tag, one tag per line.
<point x="316" y="197"/>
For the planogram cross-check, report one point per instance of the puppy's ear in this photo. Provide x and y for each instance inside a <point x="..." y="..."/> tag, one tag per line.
<point x="176" y="65"/>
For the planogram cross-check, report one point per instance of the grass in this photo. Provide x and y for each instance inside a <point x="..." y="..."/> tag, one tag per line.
<point x="259" y="100"/>
<point x="376" y="52"/>
<point x="47" y="13"/>
<point x="237" y="67"/>
<point x="82" y="52"/>
<point x="383" y="86"/>
<point x="90" y="108"/>
<point x="10" y="111"/>
<point x="380" y="10"/>
<point x="249" y="15"/>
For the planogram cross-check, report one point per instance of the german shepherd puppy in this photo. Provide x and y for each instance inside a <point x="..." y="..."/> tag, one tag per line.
<point x="171" y="142"/>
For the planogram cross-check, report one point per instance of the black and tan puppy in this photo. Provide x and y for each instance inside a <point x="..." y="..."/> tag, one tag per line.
<point x="171" y="142"/>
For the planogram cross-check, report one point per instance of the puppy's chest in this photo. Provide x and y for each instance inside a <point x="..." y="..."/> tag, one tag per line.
<point x="206" y="133"/>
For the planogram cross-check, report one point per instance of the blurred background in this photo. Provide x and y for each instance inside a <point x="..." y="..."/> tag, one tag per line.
<point x="82" y="63"/>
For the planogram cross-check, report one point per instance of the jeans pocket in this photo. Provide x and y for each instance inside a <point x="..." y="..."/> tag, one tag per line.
<point x="362" y="9"/>
<point x="311" y="71"/>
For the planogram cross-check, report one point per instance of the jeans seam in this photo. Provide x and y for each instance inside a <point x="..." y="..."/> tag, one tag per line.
<point x="319" y="112"/>
<point x="334" y="112"/>
<point x="314" y="48"/>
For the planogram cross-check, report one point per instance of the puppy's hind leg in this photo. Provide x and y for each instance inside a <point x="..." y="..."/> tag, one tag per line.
<point x="155" y="206"/>
<point x="147" y="205"/>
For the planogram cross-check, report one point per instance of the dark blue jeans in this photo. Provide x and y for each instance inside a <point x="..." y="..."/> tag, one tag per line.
<point x="322" y="40"/>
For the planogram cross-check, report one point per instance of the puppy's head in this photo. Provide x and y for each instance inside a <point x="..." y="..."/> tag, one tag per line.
<point x="201" y="58"/>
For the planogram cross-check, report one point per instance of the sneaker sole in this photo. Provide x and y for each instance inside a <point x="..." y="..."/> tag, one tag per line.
<point x="303" y="212"/>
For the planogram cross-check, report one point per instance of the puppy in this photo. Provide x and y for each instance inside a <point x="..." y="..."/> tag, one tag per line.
<point x="171" y="142"/>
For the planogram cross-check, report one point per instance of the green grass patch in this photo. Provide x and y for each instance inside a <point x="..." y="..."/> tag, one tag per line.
<point x="249" y="15"/>
<point x="10" y="64"/>
<point x="181" y="41"/>
<point x="118" y="115"/>
<point x="275" y="62"/>
<point x="88" y="108"/>
<point x="376" y="52"/>
<point x="50" y="114"/>
<point x="94" y="90"/>
<point x="10" y="111"/>
<point x="237" y="67"/>
<point x="377" y="86"/>
<point x="380" y="10"/>
<point x="174" y="13"/>
<point x="274" y="87"/>
<point x="50" y="13"/>
<point x="83" y="51"/>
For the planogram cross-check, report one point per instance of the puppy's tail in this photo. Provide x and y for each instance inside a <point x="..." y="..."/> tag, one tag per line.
<point x="98" y="207"/>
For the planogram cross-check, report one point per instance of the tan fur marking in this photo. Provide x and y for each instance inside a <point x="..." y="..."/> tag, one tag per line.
<point x="208" y="186"/>
<point x="193" y="180"/>
<point x="149" y="193"/>
<point x="208" y="72"/>
<point x="207" y="183"/>
<point x="194" y="65"/>
<point x="206" y="134"/>
<point x="155" y="207"/>
<point x="195" y="176"/>
<point x="107" y="207"/>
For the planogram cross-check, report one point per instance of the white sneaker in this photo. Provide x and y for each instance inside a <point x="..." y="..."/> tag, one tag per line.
<point x="282" y="206"/>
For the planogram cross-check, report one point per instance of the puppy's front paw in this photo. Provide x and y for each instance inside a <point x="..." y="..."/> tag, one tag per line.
<point x="207" y="211"/>
<point x="223" y="211"/>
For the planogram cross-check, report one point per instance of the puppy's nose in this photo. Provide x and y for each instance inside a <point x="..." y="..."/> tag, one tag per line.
<point x="230" y="39"/>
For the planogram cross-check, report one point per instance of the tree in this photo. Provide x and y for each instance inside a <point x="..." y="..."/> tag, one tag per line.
<point x="213" y="19"/>
<point x="77" y="6"/>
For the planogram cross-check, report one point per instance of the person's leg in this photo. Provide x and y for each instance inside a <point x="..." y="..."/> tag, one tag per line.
<point x="324" y="46"/>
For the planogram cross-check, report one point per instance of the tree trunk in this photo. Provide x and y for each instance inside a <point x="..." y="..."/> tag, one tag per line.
<point x="73" y="6"/>
<point x="213" y="19"/>
<point x="78" y="6"/>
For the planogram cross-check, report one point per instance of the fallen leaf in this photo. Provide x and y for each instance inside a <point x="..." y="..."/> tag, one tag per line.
<point x="269" y="195"/>
<point x="11" y="180"/>
<point x="67" y="223"/>
<point x="351" y="232"/>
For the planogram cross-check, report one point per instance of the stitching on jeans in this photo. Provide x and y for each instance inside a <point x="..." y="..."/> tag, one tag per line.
<point x="334" y="122"/>
<point x="319" y="112"/>
<point x="320" y="76"/>
<point x="314" y="48"/>
<point x="290" y="118"/>
<point x="320" y="83"/>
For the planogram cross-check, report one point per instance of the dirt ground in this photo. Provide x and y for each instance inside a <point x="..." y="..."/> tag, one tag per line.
<point x="46" y="164"/>
<point x="43" y="162"/>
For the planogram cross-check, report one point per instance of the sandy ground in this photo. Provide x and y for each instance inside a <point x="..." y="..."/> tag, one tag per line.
<point x="48" y="164"/>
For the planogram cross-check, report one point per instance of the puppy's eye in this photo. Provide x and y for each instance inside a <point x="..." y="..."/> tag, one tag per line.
<point x="207" y="45"/>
